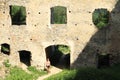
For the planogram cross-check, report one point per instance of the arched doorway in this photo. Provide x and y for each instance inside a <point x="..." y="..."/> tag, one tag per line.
<point x="59" y="55"/>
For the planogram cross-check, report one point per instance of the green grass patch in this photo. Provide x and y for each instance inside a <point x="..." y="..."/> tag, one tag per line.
<point x="64" y="49"/>
<point x="111" y="73"/>
<point x="35" y="71"/>
<point x="19" y="74"/>
<point x="6" y="63"/>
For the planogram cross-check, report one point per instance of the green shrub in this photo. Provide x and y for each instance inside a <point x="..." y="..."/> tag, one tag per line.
<point x="64" y="49"/>
<point x="6" y="63"/>
<point x="100" y="18"/>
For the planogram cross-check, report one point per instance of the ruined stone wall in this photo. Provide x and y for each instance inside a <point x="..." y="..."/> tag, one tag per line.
<point x="79" y="33"/>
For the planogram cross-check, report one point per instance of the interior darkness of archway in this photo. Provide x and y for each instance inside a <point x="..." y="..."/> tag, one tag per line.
<point x="25" y="57"/>
<point x="57" y="58"/>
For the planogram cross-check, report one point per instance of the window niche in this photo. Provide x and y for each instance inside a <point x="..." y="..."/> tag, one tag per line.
<point x="103" y="60"/>
<point x="18" y="15"/>
<point x="100" y="18"/>
<point x="58" y="15"/>
<point x="5" y="48"/>
<point x="25" y="57"/>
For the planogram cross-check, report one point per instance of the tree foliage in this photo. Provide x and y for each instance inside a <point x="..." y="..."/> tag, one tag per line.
<point x="64" y="49"/>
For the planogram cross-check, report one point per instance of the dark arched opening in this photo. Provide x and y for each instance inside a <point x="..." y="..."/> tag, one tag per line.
<point x="59" y="55"/>
<point x="5" y="48"/>
<point x="25" y="57"/>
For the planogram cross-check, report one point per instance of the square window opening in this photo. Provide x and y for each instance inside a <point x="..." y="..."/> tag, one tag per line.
<point x="18" y="15"/>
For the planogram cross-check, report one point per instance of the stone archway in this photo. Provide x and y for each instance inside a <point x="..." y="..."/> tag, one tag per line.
<point x="59" y="55"/>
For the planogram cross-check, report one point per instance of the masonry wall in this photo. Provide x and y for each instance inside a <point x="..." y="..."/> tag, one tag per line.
<point x="80" y="34"/>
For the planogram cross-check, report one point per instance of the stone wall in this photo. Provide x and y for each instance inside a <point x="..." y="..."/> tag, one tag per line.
<point x="80" y="34"/>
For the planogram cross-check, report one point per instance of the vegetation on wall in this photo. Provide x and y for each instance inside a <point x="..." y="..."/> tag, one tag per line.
<point x="64" y="49"/>
<point x="100" y="18"/>
<point x="58" y="15"/>
<point x="6" y="63"/>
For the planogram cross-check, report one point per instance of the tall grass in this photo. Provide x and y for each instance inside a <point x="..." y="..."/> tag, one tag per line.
<point x="112" y="73"/>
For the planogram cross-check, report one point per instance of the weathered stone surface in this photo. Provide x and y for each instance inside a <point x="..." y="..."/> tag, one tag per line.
<point x="80" y="34"/>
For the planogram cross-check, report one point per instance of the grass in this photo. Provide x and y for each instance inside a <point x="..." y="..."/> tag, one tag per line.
<point x="16" y="73"/>
<point x="1" y="79"/>
<point x="35" y="71"/>
<point x="111" y="73"/>
<point x="19" y="74"/>
<point x="6" y="63"/>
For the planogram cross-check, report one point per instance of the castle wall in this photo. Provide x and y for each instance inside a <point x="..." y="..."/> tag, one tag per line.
<point x="39" y="33"/>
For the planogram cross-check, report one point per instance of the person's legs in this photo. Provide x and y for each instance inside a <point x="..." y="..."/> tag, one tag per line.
<point x="48" y="69"/>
